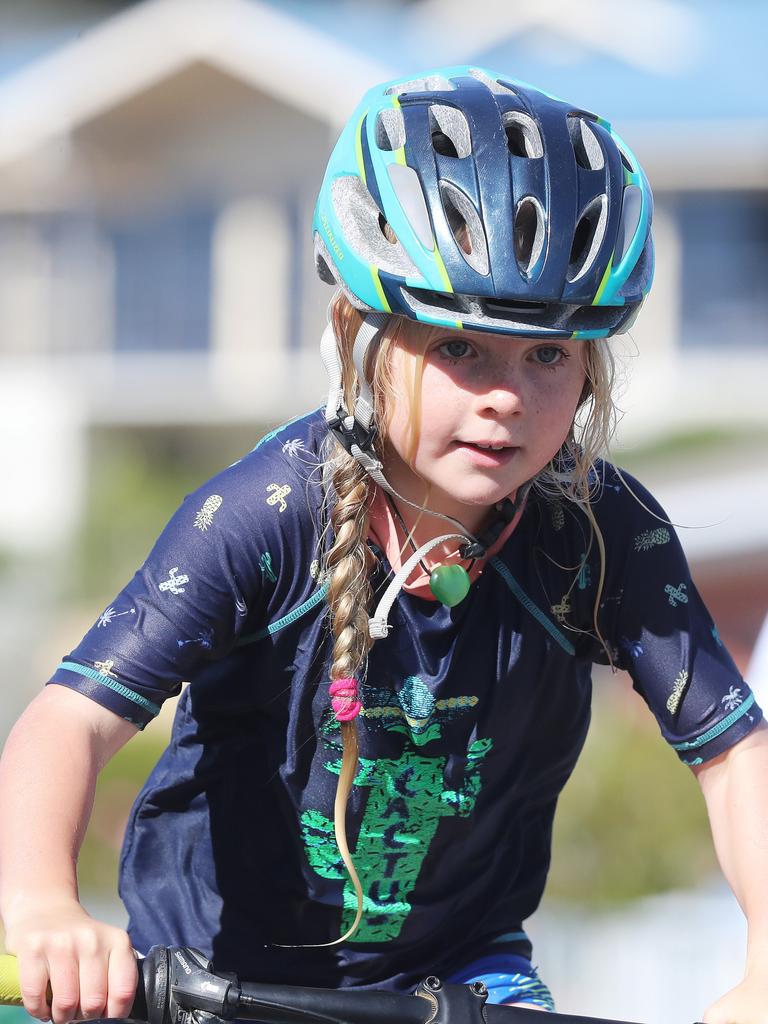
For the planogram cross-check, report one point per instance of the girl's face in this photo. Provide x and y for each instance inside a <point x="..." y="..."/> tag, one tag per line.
<point x="494" y="410"/>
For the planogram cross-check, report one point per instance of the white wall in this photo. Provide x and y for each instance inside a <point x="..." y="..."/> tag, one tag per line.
<point x="663" y="960"/>
<point x="42" y="459"/>
<point x="251" y="254"/>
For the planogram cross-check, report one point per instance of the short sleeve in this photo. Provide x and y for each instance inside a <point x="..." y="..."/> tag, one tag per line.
<point x="661" y="631"/>
<point x="205" y="582"/>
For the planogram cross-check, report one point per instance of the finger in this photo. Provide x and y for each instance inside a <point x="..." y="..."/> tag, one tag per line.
<point x="123" y="975"/>
<point x="93" y="984"/>
<point x="33" y="982"/>
<point x="65" y="985"/>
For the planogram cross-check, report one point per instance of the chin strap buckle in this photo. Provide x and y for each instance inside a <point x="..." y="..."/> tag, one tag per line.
<point x="473" y="549"/>
<point x="351" y="432"/>
<point x="507" y="510"/>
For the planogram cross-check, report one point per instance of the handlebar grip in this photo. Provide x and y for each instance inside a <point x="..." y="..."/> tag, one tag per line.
<point x="10" y="988"/>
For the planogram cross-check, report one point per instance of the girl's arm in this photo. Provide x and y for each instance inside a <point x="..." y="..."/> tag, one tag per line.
<point x="735" y="787"/>
<point x="47" y="780"/>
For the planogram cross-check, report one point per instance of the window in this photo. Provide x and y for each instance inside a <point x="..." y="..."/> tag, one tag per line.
<point x="724" y="238"/>
<point x="163" y="281"/>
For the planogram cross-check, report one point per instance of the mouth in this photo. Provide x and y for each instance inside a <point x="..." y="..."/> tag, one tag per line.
<point x="488" y="452"/>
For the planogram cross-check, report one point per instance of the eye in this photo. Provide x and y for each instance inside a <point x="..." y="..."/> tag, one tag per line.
<point x="550" y="355"/>
<point x="455" y="349"/>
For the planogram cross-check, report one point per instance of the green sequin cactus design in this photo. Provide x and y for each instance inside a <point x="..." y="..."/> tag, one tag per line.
<point x="407" y="797"/>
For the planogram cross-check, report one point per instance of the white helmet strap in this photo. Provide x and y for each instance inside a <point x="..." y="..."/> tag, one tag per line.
<point x="355" y="430"/>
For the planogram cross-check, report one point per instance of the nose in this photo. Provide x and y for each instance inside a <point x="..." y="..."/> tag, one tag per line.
<point x="502" y="399"/>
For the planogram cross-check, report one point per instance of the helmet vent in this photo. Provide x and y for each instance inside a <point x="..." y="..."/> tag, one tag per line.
<point x="321" y="265"/>
<point x="631" y="208"/>
<point x="588" y="237"/>
<point x="386" y="230"/>
<point x="442" y="144"/>
<point x="517" y="307"/>
<point x="589" y="153"/>
<point x="529" y="234"/>
<point x="500" y="88"/>
<point x="450" y="131"/>
<point x="432" y="83"/>
<point x="364" y="228"/>
<point x="466" y="227"/>
<point x="523" y="136"/>
<point x="626" y="161"/>
<point x="390" y="130"/>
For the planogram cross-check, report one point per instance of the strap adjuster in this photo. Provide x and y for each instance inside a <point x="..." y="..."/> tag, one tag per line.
<point x="351" y="432"/>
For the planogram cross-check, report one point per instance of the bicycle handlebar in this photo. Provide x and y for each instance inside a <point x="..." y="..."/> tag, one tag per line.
<point x="177" y="986"/>
<point x="10" y="990"/>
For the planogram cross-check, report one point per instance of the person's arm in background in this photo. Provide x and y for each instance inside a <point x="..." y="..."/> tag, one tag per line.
<point x="48" y="776"/>
<point x="735" y="787"/>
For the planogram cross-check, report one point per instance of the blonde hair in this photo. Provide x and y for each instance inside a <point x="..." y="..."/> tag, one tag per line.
<point x="349" y="561"/>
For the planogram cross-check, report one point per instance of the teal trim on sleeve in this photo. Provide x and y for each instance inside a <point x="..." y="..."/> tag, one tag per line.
<point x="277" y="430"/>
<point x="511" y="937"/>
<point x="529" y="606"/>
<point x="719" y="729"/>
<point x="111" y="684"/>
<point x="286" y="620"/>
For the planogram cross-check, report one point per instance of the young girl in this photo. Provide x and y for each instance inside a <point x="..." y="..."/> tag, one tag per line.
<point x="389" y="610"/>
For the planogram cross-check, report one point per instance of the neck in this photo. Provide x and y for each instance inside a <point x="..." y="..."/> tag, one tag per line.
<point x="426" y="525"/>
<point x="411" y="537"/>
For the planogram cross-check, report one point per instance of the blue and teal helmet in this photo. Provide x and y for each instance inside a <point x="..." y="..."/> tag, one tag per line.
<point x="464" y="198"/>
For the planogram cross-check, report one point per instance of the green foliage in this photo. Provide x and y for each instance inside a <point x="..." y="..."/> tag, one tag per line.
<point x="118" y="785"/>
<point x="682" y="446"/>
<point x="632" y="820"/>
<point x="138" y="479"/>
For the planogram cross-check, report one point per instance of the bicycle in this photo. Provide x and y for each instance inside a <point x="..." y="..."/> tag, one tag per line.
<point x="177" y="985"/>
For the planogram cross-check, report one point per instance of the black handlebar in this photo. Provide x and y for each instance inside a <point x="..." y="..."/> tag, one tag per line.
<point x="178" y="986"/>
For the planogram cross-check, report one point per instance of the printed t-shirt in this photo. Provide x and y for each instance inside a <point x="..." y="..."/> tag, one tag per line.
<point x="473" y="718"/>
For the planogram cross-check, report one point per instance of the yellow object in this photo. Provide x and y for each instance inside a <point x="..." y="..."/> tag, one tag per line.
<point x="10" y="990"/>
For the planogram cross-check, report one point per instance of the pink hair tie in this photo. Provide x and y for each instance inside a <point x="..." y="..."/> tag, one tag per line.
<point x="345" y="700"/>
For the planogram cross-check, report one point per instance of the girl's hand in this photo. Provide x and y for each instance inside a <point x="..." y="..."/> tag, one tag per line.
<point x="89" y="966"/>
<point x="745" y="1004"/>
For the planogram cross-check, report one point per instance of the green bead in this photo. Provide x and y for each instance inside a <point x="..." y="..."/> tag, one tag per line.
<point x="450" y="584"/>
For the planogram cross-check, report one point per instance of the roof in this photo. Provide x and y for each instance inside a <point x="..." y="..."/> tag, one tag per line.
<point x="678" y="75"/>
<point x="127" y="53"/>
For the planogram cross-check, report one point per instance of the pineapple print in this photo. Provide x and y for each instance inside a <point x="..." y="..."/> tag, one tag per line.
<point x="651" y="539"/>
<point x="211" y="506"/>
<point x="678" y="689"/>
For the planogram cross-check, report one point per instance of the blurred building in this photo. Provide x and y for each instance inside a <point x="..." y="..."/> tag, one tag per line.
<point x="158" y="173"/>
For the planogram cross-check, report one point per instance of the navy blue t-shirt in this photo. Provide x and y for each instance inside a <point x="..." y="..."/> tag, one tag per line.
<point x="473" y="718"/>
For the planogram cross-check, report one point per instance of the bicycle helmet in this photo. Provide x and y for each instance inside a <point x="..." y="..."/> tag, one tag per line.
<point x="464" y="198"/>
